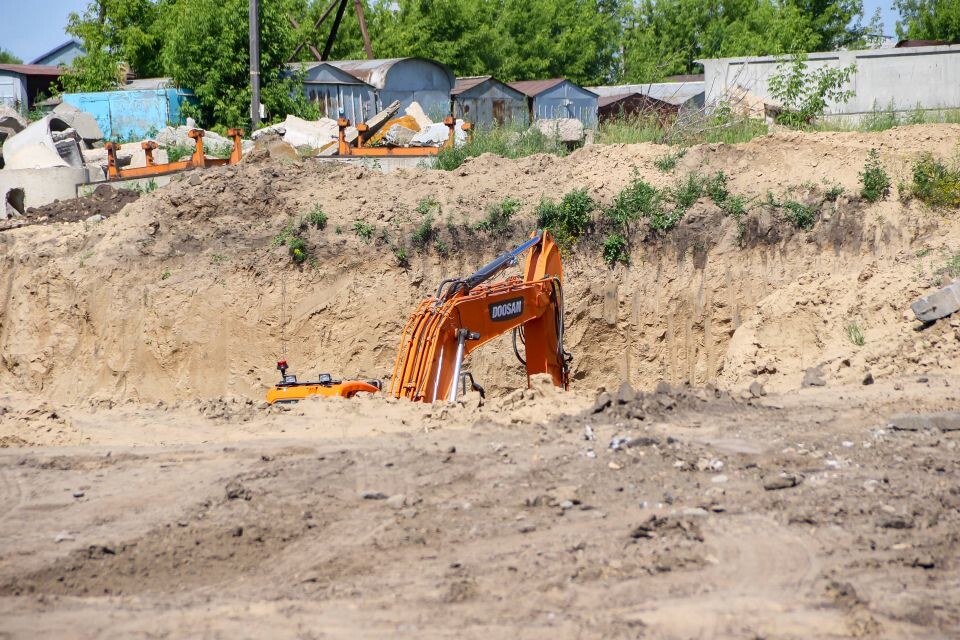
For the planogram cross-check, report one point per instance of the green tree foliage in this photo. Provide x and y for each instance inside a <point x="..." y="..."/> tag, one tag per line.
<point x="928" y="19"/>
<point x="804" y="93"/>
<point x="666" y="37"/>
<point x="205" y="48"/>
<point x="115" y="34"/>
<point x="8" y="58"/>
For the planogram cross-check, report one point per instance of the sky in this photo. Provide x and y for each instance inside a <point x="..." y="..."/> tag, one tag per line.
<point x="30" y="28"/>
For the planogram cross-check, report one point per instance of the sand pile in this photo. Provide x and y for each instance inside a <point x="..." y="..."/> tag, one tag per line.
<point x="187" y="292"/>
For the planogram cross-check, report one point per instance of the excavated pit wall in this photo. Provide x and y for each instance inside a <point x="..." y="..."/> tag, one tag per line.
<point x="184" y="294"/>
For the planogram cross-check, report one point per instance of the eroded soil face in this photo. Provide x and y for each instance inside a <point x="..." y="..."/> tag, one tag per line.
<point x="146" y="491"/>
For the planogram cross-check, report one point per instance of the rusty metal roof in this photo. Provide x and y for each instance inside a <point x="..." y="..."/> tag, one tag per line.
<point x="468" y="82"/>
<point x="33" y="69"/>
<point x="374" y="72"/>
<point x="533" y="88"/>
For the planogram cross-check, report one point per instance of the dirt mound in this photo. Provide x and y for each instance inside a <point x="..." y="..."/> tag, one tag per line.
<point x="192" y="293"/>
<point x="104" y="201"/>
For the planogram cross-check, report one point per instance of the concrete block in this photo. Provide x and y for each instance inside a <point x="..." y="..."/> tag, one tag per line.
<point x="938" y="304"/>
<point x="38" y="187"/>
<point x="85" y="124"/>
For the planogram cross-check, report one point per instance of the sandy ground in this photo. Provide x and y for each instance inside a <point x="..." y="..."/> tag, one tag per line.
<point x="338" y="520"/>
<point x="147" y="492"/>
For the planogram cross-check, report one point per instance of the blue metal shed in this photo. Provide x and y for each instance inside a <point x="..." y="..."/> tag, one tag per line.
<point x="485" y="100"/>
<point x="333" y="89"/>
<point x="135" y="112"/>
<point x="558" y="98"/>
<point x="405" y="79"/>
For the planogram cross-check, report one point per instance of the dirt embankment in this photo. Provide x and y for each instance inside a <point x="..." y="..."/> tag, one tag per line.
<point x="186" y="294"/>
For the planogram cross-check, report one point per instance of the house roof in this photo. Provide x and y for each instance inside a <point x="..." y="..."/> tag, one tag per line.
<point x="342" y="77"/>
<point x="675" y="93"/>
<point x="33" y="69"/>
<point x="374" y="72"/>
<point x="603" y="101"/>
<point x="467" y="83"/>
<point x="69" y="43"/>
<point x="533" y="88"/>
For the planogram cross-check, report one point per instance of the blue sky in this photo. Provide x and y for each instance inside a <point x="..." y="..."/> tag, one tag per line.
<point x="30" y="28"/>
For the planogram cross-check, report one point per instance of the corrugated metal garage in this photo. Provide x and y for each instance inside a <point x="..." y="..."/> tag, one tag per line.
<point x="334" y="89"/>
<point x="485" y="100"/>
<point x="407" y="80"/>
<point x="558" y="98"/>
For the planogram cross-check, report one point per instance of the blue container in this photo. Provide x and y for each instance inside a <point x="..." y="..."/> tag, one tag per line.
<point x="132" y="114"/>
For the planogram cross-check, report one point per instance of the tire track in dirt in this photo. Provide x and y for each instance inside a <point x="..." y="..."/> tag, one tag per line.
<point x="758" y="565"/>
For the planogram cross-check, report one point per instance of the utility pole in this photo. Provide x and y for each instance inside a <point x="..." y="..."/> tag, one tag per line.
<point x="254" y="64"/>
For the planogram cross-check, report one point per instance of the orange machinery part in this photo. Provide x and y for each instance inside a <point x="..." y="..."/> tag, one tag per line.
<point x="445" y="329"/>
<point x="197" y="159"/>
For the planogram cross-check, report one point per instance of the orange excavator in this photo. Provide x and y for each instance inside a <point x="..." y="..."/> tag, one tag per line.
<point x="465" y="314"/>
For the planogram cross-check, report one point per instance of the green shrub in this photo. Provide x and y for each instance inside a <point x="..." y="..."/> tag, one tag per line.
<point x="735" y="206"/>
<point x="423" y="233"/>
<point x="616" y="249"/>
<point x="664" y="220"/>
<point x="510" y="141"/>
<point x="949" y="271"/>
<point x="497" y="220"/>
<point x="637" y="200"/>
<point x="668" y="162"/>
<point x="875" y="181"/>
<point x="855" y="333"/>
<point x="833" y="193"/>
<point x="317" y="217"/>
<point x="687" y="191"/>
<point x="934" y="183"/>
<point x="297" y="248"/>
<point x="441" y="248"/>
<point x="364" y="230"/>
<point x="803" y="216"/>
<point x="400" y="255"/>
<point x="569" y="219"/>
<point x="716" y="188"/>
<point x="427" y="205"/>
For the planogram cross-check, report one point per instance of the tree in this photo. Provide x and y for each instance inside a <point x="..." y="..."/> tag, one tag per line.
<point x="115" y="34"/>
<point x="836" y="22"/>
<point x="205" y="49"/>
<point x="667" y="37"/>
<point x="804" y="93"/>
<point x="8" y="58"/>
<point x="928" y="19"/>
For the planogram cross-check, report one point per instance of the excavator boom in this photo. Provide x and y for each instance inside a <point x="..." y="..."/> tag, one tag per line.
<point x="469" y="312"/>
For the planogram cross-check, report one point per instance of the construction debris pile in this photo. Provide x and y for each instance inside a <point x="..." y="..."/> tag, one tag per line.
<point x="385" y="129"/>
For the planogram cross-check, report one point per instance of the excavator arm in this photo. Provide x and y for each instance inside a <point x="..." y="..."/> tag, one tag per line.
<point x="469" y="312"/>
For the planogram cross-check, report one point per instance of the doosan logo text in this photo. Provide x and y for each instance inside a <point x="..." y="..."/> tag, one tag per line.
<point x="506" y="310"/>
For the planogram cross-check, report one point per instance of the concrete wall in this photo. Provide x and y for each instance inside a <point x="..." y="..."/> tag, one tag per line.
<point x="903" y="79"/>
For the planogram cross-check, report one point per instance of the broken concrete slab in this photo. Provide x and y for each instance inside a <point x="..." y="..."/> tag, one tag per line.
<point x="938" y="304"/>
<point x="35" y="147"/>
<point x="437" y="133"/>
<point x="944" y="421"/>
<point x="561" y="129"/>
<point x="416" y="112"/>
<point x="299" y="132"/>
<point x="84" y="123"/>
<point x="399" y="135"/>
